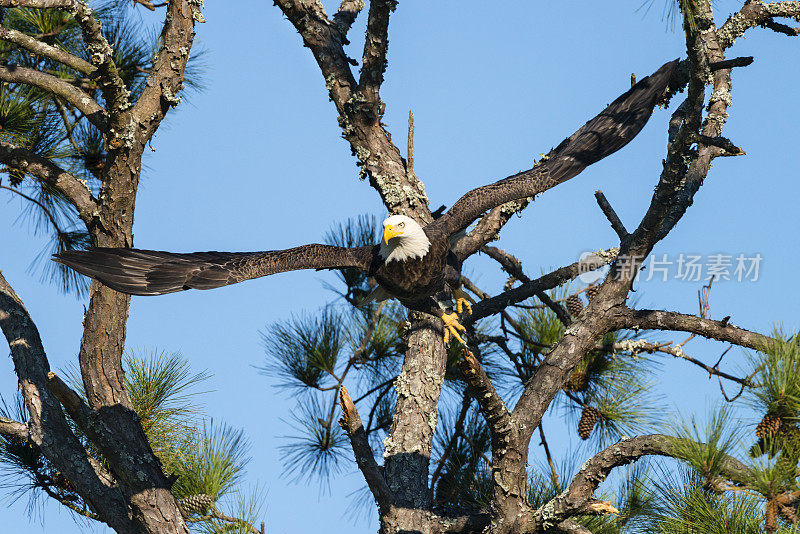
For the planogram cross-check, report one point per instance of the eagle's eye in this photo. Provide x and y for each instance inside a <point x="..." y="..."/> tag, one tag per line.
<point x="402" y="225"/>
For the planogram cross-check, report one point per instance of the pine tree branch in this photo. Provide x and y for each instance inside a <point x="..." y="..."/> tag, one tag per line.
<point x="9" y="427"/>
<point x="45" y="50"/>
<point x="166" y="76"/>
<point x="72" y="506"/>
<point x="674" y="193"/>
<point x="82" y="101"/>
<point x="611" y="215"/>
<point x="101" y="55"/>
<point x="72" y="402"/>
<point x="626" y="318"/>
<point x="47" y="428"/>
<point x="497" y="303"/>
<point x="379" y="158"/>
<point x="351" y="422"/>
<point x="346" y="16"/>
<point x="50" y="174"/>
<point x="636" y="346"/>
<point x="573" y="501"/>
<point x="491" y="404"/>
<point x="112" y="436"/>
<point x="98" y="48"/>
<point x="755" y="13"/>
<point x="374" y="58"/>
<point x="513" y="266"/>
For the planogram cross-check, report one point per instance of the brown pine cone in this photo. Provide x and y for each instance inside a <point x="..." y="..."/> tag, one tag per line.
<point x="768" y="427"/>
<point x="195" y="503"/>
<point x="589" y="419"/>
<point x="574" y="305"/>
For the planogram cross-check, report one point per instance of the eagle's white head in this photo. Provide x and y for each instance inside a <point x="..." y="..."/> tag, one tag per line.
<point x="403" y="239"/>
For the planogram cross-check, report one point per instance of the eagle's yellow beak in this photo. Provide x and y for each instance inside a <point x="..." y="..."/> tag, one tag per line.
<point x="389" y="232"/>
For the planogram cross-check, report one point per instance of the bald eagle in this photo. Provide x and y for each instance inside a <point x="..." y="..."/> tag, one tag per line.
<point x="412" y="263"/>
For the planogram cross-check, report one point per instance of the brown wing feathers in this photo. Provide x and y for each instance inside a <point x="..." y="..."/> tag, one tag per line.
<point x="150" y="272"/>
<point x="603" y="135"/>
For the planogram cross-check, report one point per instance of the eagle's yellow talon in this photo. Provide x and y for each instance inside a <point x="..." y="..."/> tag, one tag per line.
<point x="452" y="326"/>
<point x="462" y="303"/>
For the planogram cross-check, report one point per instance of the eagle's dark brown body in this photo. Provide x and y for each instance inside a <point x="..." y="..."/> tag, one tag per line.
<point x="413" y="281"/>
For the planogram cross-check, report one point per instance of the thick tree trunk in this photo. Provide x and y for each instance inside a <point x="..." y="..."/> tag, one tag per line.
<point x="142" y="480"/>
<point x="408" y="446"/>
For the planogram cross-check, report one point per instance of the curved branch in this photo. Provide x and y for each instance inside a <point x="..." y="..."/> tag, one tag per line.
<point x="82" y="101"/>
<point x="47" y="172"/>
<point x="595" y="471"/>
<point x="15" y="429"/>
<point x="114" y="91"/>
<point x="754" y="13"/>
<point x="491" y="404"/>
<point x="45" y="50"/>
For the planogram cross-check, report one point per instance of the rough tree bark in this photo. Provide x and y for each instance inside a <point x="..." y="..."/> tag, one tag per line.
<point x="139" y="500"/>
<point x="132" y="493"/>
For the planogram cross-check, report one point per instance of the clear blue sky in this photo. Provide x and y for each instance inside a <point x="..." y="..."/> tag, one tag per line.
<point x="257" y="162"/>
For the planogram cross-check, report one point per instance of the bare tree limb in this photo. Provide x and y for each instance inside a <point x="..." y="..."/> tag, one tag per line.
<point x="731" y="63"/>
<point x="47" y="172"/>
<point x="82" y="101"/>
<point x="346" y="16"/>
<point x="375" y="47"/>
<point x="636" y="346"/>
<point x="166" y="77"/>
<point x="45" y="50"/>
<point x="626" y="318"/>
<point x="379" y="158"/>
<point x="351" y="422"/>
<point x="611" y="215"/>
<point x="9" y="427"/>
<point x="101" y="55"/>
<point x="496" y="304"/>
<point x="491" y="404"/>
<point x="754" y="13"/>
<point x="513" y="266"/>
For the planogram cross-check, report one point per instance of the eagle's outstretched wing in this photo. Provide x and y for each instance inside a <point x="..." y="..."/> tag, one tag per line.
<point x="151" y="272"/>
<point x="603" y="135"/>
